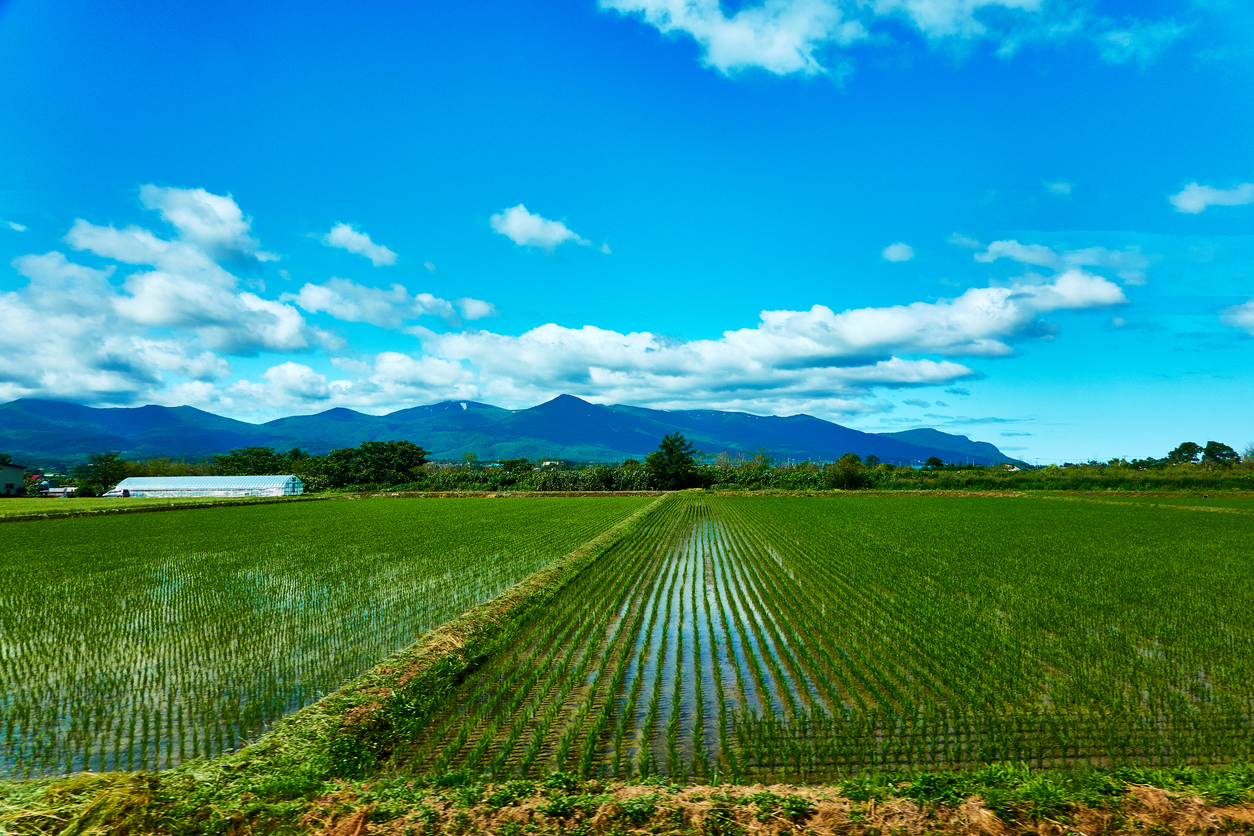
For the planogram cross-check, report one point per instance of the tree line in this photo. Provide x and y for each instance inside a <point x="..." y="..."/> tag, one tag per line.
<point x="677" y="464"/>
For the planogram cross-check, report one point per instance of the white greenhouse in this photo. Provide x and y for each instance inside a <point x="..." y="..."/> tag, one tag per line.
<point x="172" y="486"/>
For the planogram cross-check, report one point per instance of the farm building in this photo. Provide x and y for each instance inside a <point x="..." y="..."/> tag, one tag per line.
<point x="11" y="479"/>
<point x="173" y="486"/>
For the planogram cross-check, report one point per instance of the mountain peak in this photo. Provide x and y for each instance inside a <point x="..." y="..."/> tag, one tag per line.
<point x="566" y="403"/>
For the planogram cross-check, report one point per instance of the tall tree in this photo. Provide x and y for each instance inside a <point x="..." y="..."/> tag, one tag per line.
<point x="673" y="465"/>
<point x="101" y="472"/>
<point x="1186" y="452"/>
<point x="1215" y="454"/>
<point x="252" y="461"/>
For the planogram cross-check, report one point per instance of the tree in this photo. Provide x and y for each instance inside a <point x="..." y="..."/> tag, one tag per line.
<point x="254" y="461"/>
<point x="1219" y="455"/>
<point x="871" y="460"/>
<point x="673" y="464"/>
<point x="846" y="473"/>
<point x="388" y="462"/>
<point x="101" y="472"/>
<point x="933" y="463"/>
<point x="517" y="466"/>
<point x="1186" y="452"/>
<point x="5" y="458"/>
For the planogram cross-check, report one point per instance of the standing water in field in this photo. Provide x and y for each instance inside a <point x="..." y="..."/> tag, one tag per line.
<point x="802" y="639"/>
<point x="140" y="641"/>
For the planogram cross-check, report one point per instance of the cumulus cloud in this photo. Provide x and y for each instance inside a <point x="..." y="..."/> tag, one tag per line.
<point x="807" y="37"/>
<point x="779" y="36"/>
<point x="812" y="358"/>
<point x="898" y="252"/>
<point x="63" y="338"/>
<point x="211" y="222"/>
<point x="347" y="238"/>
<point x="389" y="378"/>
<point x="188" y="289"/>
<point x="352" y="302"/>
<point x="529" y="230"/>
<point x="1194" y="198"/>
<point x="15" y="226"/>
<point x="1240" y="316"/>
<point x="473" y="309"/>
<point x="1128" y="264"/>
<point x="964" y="241"/>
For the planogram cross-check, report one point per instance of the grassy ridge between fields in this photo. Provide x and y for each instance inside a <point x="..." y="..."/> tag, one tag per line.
<point x="343" y="735"/>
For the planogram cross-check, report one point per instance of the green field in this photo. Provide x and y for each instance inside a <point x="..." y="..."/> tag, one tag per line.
<point x="773" y="638"/>
<point x="802" y="639"/>
<point x="19" y="507"/>
<point x="137" y="641"/>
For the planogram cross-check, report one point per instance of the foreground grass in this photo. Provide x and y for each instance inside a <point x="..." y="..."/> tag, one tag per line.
<point x="995" y="800"/>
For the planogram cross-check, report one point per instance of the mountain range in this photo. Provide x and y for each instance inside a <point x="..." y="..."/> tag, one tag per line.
<point x="60" y="433"/>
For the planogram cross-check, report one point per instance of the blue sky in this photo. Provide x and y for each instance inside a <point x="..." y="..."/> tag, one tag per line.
<point x="1027" y="221"/>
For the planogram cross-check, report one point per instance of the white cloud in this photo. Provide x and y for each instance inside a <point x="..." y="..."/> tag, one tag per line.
<point x="1240" y="316"/>
<point x="1023" y="253"/>
<point x="391" y="308"/>
<point x="188" y="289"/>
<point x="529" y="230"/>
<point x="800" y="357"/>
<point x="15" y="226"/>
<point x="1061" y="188"/>
<point x="898" y="252"/>
<point x="475" y="308"/>
<point x="1128" y="264"/>
<point x="430" y="267"/>
<point x="964" y="241"/>
<point x="63" y="339"/>
<point x="347" y="238"/>
<point x="285" y="385"/>
<point x="1194" y="198"/>
<point x="807" y="36"/>
<point x="213" y="223"/>
<point x="605" y="248"/>
<point x="388" y="379"/>
<point x="950" y="18"/>
<point x="57" y="285"/>
<point x="779" y="36"/>
<point x="1140" y="41"/>
<point x="921" y="404"/>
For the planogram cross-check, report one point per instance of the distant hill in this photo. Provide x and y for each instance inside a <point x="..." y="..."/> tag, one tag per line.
<point x="58" y="432"/>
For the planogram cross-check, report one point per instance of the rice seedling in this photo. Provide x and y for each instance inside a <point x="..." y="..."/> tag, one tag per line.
<point x="139" y="641"/>
<point x="803" y="639"/>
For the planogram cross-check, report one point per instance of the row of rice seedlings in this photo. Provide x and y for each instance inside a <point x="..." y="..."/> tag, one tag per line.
<point x="930" y="630"/>
<point x="518" y="697"/>
<point x="181" y="635"/>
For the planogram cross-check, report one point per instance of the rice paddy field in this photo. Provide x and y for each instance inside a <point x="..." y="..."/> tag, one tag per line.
<point x="746" y="638"/>
<point x="800" y="639"/>
<point x="1231" y="503"/>
<point x="139" y="641"/>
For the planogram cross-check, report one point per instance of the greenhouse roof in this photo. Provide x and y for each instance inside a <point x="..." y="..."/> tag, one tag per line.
<point x="205" y="483"/>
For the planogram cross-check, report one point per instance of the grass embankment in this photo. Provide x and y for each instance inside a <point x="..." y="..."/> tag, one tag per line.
<point x="268" y="784"/>
<point x="29" y="508"/>
<point x="994" y="801"/>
